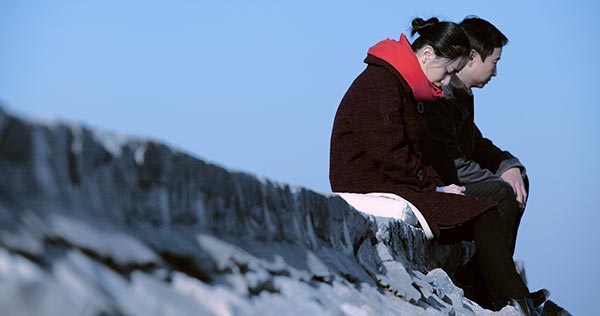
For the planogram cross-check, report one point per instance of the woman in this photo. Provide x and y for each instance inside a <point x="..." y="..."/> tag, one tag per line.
<point x="377" y="136"/>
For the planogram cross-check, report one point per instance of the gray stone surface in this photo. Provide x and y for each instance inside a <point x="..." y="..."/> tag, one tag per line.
<point x="97" y="223"/>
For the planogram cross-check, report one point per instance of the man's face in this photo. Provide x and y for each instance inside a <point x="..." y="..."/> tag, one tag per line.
<point x="481" y="72"/>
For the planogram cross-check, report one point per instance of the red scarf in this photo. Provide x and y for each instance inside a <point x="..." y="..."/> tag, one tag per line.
<point x="400" y="55"/>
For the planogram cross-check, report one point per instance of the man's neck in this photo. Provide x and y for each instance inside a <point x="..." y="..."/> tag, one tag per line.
<point x="462" y="82"/>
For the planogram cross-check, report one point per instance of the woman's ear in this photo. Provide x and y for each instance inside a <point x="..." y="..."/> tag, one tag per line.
<point x="426" y="54"/>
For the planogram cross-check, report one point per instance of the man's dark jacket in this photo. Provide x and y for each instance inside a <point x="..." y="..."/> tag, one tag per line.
<point x="454" y="145"/>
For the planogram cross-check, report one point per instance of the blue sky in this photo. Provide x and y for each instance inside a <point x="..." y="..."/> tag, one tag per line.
<point x="254" y="85"/>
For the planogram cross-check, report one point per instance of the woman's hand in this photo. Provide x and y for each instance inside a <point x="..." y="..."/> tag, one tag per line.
<point x="453" y="188"/>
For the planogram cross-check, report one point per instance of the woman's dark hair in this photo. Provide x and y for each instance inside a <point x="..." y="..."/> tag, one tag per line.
<point x="483" y="35"/>
<point x="447" y="38"/>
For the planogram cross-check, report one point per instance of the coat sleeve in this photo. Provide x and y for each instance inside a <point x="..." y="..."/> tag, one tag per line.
<point x="378" y="123"/>
<point x="445" y="152"/>
<point x="491" y="157"/>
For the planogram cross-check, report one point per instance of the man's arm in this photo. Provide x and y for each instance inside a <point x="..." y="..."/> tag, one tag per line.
<point x="444" y="151"/>
<point x="503" y="163"/>
<point x="489" y="156"/>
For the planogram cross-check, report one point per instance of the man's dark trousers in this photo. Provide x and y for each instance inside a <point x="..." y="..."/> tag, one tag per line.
<point x="470" y="277"/>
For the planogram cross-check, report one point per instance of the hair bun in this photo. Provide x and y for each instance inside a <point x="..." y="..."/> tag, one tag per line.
<point x="421" y="26"/>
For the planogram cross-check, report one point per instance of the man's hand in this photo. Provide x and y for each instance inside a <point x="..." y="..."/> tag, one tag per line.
<point x="514" y="178"/>
<point x="453" y="188"/>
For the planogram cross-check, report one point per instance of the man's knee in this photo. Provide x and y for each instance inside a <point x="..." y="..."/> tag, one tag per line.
<point x="507" y="203"/>
<point x="505" y="191"/>
<point x="496" y="190"/>
<point x="526" y="183"/>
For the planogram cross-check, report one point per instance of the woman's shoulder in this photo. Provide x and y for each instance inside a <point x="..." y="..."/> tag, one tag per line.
<point x="377" y="78"/>
<point x="382" y="68"/>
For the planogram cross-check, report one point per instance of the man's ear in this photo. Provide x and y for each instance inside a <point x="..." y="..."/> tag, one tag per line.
<point x="426" y="54"/>
<point x="473" y="55"/>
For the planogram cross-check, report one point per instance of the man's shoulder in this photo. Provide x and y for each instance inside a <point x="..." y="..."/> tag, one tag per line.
<point x="449" y="95"/>
<point x="446" y="106"/>
<point x="457" y="90"/>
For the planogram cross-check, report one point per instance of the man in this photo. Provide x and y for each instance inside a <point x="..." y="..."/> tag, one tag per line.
<point x="461" y="155"/>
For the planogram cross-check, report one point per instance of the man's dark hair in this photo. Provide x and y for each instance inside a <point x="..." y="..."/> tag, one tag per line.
<point x="483" y="35"/>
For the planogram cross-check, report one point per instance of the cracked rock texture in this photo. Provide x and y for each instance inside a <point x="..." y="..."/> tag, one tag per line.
<point x="98" y="223"/>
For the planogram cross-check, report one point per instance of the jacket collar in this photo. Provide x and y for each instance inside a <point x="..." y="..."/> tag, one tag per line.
<point x="402" y="58"/>
<point x="460" y="95"/>
<point x="372" y="60"/>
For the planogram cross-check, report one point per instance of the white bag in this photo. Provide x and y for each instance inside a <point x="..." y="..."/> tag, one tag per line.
<point x="387" y="205"/>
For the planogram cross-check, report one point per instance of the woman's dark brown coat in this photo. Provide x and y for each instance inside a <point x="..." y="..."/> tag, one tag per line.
<point x="376" y="147"/>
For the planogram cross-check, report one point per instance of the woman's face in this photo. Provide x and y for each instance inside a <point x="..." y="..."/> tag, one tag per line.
<point x="438" y="69"/>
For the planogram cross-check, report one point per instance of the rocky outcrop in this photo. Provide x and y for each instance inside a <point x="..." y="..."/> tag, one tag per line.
<point x="97" y="223"/>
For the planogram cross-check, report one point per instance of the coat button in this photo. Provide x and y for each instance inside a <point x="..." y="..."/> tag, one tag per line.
<point x="418" y="155"/>
<point x="420" y="175"/>
<point x="420" y="107"/>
